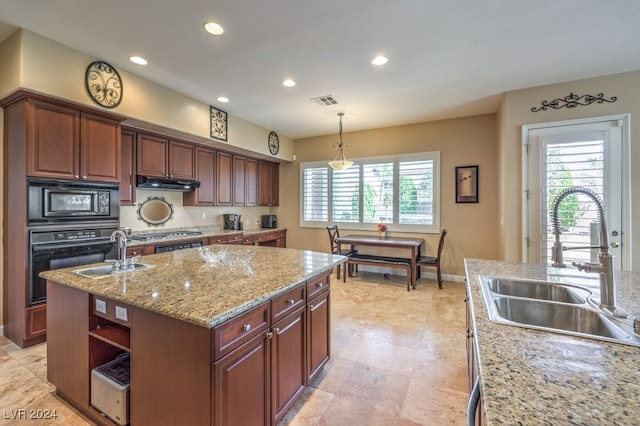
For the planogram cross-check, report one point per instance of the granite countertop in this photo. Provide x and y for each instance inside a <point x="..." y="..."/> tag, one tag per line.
<point x="535" y="377"/>
<point x="183" y="286"/>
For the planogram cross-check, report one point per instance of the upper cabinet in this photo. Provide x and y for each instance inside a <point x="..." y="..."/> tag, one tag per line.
<point x="205" y="195"/>
<point x="224" y="179"/>
<point x="65" y="143"/>
<point x="160" y="157"/>
<point x="269" y="180"/>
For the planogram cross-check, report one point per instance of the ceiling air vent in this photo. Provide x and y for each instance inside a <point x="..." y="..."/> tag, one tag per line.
<point x="327" y="100"/>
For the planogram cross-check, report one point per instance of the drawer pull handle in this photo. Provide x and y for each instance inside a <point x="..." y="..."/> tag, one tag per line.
<point x="311" y="307"/>
<point x="246" y="327"/>
<point x="320" y="285"/>
<point x="291" y="301"/>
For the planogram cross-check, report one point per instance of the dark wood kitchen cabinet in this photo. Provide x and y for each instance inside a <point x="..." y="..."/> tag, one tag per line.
<point x="269" y="180"/>
<point x="161" y="157"/>
<point x="205" y="195"/>
<point x="318" y="325"/>
<point x="50" y="138"/>
<point x="64" y="143"/>
<point x="239" y="181"/>
<point x="251" y="182"/>
<point x="224" y="179"/>
<point x="472" y="365"/>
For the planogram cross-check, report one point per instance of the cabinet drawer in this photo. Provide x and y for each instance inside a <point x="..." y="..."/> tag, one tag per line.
<point x="287" y="302"/>
<point x="236" y="331"/>
<point x="219" y="239"/>
<point x="140" y="250"/>
<point x="235" y="238"/>
<point x="266" y="236"/>
<point x="317" y="285"/>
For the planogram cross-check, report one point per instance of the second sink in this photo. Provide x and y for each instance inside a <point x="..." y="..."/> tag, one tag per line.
<point x="106" y="270"/>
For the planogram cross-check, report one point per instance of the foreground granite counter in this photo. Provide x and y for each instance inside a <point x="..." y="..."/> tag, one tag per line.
<point x="181" y="285"/>
<point x="535" y="377"/>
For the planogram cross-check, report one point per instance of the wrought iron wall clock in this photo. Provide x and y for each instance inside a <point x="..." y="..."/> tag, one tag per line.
<point x="274" y="142"/>
<point x="103" y="84"/>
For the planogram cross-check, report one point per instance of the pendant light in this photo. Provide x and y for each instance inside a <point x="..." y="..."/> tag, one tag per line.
<point x="340" y="162"/>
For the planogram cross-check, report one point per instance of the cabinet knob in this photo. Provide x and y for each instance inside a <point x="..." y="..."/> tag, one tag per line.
<point x="320" y="285"/>
<point x="276" y="330"/>
<point x="311" y="307"/>
<point x="291" y="301"/>
<point x="246" y="327"/>
<point x="76" y="176"/>
<point x="84" y="177"/>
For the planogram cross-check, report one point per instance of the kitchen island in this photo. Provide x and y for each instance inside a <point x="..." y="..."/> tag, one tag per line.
<point x="537" y="377"/>
<point x="208" y="344"/>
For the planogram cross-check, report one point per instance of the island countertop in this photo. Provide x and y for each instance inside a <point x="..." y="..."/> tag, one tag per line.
<point x="535" y="377"/>
<point x="181" y="285"/>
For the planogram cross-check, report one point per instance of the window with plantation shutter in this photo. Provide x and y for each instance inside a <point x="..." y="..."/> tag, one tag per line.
<point x="400" y="191"/>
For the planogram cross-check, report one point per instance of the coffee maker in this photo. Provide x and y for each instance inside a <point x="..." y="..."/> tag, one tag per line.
<point x="232" y="221"/>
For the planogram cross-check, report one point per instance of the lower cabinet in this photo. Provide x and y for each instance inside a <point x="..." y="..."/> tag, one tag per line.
<point x="318" y="326"/>
<point x="287" y="363"/>
<point x="241" y="382"/>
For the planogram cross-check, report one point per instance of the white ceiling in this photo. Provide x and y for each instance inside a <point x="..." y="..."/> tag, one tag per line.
<point x="447" y="58"/>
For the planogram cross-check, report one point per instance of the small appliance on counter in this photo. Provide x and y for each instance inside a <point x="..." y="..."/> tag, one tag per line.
<point x="110" y="389"/>
<point x="232" y="221"/>
<point x="268" y="221"/>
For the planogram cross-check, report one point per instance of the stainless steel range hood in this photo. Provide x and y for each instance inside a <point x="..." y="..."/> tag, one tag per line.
<point x="167" y="184"/>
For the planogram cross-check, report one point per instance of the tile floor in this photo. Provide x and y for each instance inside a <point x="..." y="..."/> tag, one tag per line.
<point x="398" y="358"/>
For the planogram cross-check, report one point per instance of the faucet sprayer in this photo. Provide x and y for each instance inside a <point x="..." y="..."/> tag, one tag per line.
<point x="604" y="267"/>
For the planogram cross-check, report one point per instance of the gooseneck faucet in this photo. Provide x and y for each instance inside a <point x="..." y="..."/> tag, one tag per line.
<point x="121" y="235"/>
<point x="604" y="267"/>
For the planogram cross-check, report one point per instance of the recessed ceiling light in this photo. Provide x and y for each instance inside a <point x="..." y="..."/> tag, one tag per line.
<point x="138" y="60"/>
<point x="223" y="99"/>
<point x="213" y="28"/>
<point x="289" y="83"/>
<point x="379" y="60"/>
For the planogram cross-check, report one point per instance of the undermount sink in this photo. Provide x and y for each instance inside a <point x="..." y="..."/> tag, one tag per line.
<point x="537" y="290"/>
<point x="553" y="307"/>
<point x="107" y="270"/>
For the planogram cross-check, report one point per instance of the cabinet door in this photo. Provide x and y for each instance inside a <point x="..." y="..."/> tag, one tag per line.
<point x="99" y="149"/>
<point x="239" y="180"/>
<point x="181" y="160"/>
<point x="288" y="364"/>
<point x="224" y="179"/>
<point x="318" y="334"/>
<point x="241" y="385"/>
<point x="53" y="144"/>
<point x="204" y="172"/>
<point x="151" y="155"/>
<point x="251" y="182"/>
<point x="269" y="184"/>
<point x="128" y="169"/>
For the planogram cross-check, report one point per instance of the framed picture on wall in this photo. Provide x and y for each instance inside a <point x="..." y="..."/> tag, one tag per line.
<point x="467" y="184"/>
<point x="218" y="124"/>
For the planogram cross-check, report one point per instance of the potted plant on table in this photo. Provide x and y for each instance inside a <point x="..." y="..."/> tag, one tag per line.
<point x="382" y="230"/>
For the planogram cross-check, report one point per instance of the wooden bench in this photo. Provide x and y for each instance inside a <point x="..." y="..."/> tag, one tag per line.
<point x="373" y="260"/>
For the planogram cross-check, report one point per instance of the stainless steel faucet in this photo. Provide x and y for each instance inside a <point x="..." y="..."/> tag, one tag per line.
<point x="604" y="267"/>
<point x="121" y="236"/>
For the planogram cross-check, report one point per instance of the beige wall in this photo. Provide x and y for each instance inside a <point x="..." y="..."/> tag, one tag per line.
<point x="472" y="228"/>
<point x="516" y="111"/>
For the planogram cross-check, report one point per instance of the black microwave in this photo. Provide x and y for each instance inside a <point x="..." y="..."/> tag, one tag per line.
<point x="52" y="200"/>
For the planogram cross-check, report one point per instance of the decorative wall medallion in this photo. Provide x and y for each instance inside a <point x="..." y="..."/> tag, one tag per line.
<point x="103" y="84"/>
<point x="218" y="124"/>
<point x="274" y="143"/>
<point x="573" y="101"/>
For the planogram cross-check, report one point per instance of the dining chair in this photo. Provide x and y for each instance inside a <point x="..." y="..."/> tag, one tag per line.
<point x="434" y="260"/>
<point x="334" y="233"/>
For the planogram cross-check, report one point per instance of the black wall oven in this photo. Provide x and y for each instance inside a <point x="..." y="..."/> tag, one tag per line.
<point x="58" y="201"/>
<point x="64" y="248"/>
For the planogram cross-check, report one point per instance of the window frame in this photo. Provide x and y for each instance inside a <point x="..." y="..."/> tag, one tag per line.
<point x="357" y="162"/>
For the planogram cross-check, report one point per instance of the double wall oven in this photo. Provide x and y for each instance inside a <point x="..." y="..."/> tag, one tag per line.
<point x="70" y="224"/>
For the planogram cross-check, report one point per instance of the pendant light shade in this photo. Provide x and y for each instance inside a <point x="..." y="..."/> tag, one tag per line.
<point x="340" y="162"/>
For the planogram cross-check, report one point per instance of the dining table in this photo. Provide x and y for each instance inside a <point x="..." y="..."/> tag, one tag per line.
<point x="410" y="245"/>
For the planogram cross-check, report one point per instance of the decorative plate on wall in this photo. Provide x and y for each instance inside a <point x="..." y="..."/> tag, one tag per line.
<point x="274" y="143"/>
<point x="103" y="84"/>
<point x="218" y="124"/>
